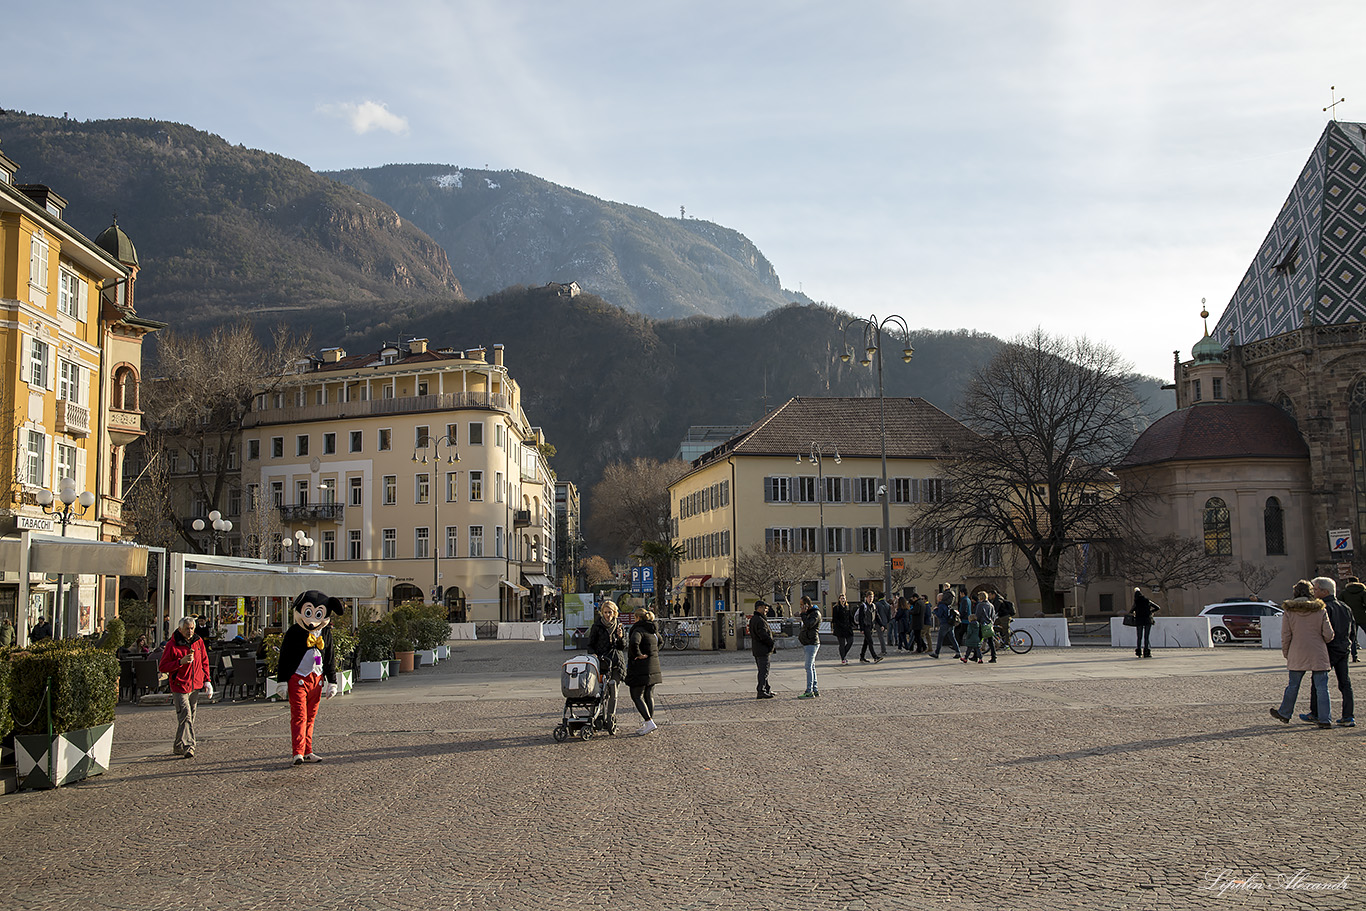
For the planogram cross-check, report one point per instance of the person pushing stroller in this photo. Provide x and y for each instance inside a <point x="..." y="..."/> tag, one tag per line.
<point x="607" y="640"/>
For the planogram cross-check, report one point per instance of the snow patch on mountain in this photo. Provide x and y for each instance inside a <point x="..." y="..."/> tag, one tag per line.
<point x="452" y="181"/>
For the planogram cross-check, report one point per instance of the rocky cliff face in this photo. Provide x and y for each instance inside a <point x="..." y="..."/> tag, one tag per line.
<point x="223" y="230"/>
<point x="504" y="228"/>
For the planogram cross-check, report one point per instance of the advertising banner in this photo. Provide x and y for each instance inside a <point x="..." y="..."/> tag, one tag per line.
<point x="578" y="617"/>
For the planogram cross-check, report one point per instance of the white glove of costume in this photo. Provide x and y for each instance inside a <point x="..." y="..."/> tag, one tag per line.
<point x="329" y="690"/>
<point x="282" y="689"/>
<point x="208" y="690"/>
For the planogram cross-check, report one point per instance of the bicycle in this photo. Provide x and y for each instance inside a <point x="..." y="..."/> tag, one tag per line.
<point x="1020" y="641"/>
<point x="679" y="634"/>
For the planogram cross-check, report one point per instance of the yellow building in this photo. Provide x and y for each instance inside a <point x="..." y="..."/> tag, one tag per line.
<point x="412" y="461"/>
<point x="807" y="480"/>
<point x="72" y="346"/>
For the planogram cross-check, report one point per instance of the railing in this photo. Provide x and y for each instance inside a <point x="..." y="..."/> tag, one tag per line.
<point x="486" y="629"/>
<point x="449" y="401"/>
<point x="312" y="512"/>
<point x="72" y="419"/>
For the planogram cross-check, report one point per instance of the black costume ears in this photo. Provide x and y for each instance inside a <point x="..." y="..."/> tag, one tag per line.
<point x="335" y="606"/>
<point x="312" y="596"/>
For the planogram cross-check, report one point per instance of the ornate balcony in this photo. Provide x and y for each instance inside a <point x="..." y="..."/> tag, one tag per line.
<point x="521" y="517"/>
<point x="72" y="419"/>
<point x="312" y="512"/>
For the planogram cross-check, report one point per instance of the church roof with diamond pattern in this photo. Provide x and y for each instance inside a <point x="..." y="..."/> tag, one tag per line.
<point x="1312" y="264"/>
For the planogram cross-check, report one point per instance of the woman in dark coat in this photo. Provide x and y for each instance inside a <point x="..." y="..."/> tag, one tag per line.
<point x="1143" y="611"/>
<point x="607" y="641"/>
<point x="642" y="667"/>
<point x="842" y="625"/>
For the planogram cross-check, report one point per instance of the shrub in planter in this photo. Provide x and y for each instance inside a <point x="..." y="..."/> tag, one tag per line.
<point x="403" y="651"/>
<point x="429" y="632"/>
<point x="82" y="685"/>
<point x="344" y="644"/>
<point x="115" y="636"/>
<point x="272" y="655"/>
<point x="139" y="619"/>
<point x="6" y="722"/>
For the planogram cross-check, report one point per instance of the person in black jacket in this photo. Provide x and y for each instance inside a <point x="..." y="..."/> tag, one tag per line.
<point x="1143" y="611"/>
<point x="868" y="622"/>
<point x="607" y="641"/>
<point x="761" y="645"/>
<point x="842" y="625"/>
<point x="1339" y="651"/>
<point x="643" y="673"/>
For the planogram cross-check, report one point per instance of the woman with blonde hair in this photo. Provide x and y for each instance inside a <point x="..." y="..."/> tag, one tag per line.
<point x="642" y="667"/>
<point x="607" y="641"/>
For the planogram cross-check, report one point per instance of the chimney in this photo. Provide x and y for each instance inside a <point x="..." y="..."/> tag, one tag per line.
<point x="417" y="345"/>
<point x="475" y="354"/>
<point x="498" y="355"/>
<point x="333" y="355"/>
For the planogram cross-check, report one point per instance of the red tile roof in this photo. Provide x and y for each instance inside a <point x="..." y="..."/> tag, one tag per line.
<point x="1219" y="430"/>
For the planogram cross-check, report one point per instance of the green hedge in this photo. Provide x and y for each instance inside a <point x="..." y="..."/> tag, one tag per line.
<point x="377" y="641"/>
<point x="85" y="686"/>
<point x="6" y="722"/>
<point x="114" y="636"/>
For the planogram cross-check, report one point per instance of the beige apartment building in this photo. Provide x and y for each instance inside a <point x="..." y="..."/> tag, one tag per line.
<point x="412" y="461"/>
<point x="806" y="480"/>
<point x="72" y="355"/>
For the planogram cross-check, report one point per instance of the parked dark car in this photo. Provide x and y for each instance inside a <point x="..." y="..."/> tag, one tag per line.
<point x="1238" y="620"/>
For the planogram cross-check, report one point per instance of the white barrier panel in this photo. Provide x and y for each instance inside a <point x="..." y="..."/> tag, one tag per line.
<point x="1271" y="632"/>
<point x="1168" y="632"/>
<point x="530" y="630"/>
<point x="462" y="631"/>
<point x="552" y="629"/>
<point x="1049" y="632"/>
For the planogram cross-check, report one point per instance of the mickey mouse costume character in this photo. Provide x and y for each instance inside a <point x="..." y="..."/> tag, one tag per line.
<point x="306" y="657"/>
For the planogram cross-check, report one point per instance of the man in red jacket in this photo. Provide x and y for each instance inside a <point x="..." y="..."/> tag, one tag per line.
<point x="186" y="662"/>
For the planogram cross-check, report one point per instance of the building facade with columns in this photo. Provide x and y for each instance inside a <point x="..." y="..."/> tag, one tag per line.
<point x="412" y="461"/>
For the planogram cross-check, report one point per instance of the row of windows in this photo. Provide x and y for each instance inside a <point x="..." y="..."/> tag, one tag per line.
<point x="866" y="540"/>
<point x="70" y="377"/>
<point x="71" y="289"/>
<point x="422" y="489"/>
<point x="817" y="489"/>
<point x="384" y="441"/>
<point x="422" y="544"/>
<point x="66" y="460"/>
<point x="705" y="500"/>
<point x="1218" y="528"/>
<point x="705" y="547"/>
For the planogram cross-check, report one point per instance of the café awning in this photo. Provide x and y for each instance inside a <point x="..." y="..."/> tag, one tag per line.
<point x="514" y="586"/>
<point x="51" y="554"/>
<point x="695" y="581"/>
<point x="717" y="581"/>
<point x="537" y="579"/>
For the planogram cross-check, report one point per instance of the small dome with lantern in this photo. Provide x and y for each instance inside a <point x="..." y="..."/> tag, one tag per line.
<point x="117" y="244"/>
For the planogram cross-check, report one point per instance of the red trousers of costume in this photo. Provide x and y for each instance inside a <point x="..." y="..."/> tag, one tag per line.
<point x="304" y="695"/>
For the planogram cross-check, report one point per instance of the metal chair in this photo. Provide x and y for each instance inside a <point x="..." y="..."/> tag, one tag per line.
<point x="146" y="678"/>
<point x="244" y="677"/>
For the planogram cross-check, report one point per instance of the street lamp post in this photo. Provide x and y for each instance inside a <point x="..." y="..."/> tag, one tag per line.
<point x="66" y="492"/>
<point x="301" y="543"/>
<point x="221" y="526"/>
<point x="431" y="449"/>
<point x="872" y="329"/>
<point x="817" y="455"/>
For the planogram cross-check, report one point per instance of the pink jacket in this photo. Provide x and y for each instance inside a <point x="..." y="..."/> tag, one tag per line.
<point x="1305" y="634"/>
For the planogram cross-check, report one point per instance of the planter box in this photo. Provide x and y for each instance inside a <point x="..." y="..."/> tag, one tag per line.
<point x="405" y="661"/>
<point x="443" y="652"/>
<point x="346" y="682"/>
<point x="427" y="657"/>
<point x="75" y="755"/>
<point x="374" y="670"/>
<point x="271" y="684"/>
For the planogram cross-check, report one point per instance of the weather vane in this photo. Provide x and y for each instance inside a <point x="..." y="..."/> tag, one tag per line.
<point x="1333" y="90"/>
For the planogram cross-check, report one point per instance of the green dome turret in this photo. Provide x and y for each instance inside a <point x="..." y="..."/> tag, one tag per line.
<point x="117" y="244"/>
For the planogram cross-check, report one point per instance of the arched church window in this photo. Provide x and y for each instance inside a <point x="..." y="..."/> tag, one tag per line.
<point x="1356" y="423"/>
<point x="1273" y="518"/>
<point x="1218" y="528"/>
<point x="1283" y="402"/>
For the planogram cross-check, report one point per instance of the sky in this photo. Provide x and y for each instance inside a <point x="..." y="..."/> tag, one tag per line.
<point x="1085" y="166"/>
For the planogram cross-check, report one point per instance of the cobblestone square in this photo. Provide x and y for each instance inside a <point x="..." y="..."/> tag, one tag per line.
<point x="1065" y="778"/>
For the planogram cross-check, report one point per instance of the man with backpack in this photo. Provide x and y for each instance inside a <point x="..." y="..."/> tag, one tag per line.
<point x="947" y="615"/>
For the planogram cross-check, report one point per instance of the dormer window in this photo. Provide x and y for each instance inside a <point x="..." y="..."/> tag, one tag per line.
<point x="1217" y="387"/>
<point x="388" y="356"/>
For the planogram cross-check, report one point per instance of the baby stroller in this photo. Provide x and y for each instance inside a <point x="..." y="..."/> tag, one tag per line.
<point x="585" y="708"/>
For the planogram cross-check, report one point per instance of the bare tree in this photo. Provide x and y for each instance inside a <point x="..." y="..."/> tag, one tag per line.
<point x="1050" y="415"/>
<point x="630" y="502"/>
<point x="595" y="570"/>
<point x="1255" y="576"/>
<point x="1171" y="562"/>
<point x="197" y="403"/>
<point x="763" y="571"/>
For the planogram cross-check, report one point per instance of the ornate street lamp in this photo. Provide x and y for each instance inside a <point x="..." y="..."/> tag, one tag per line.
<point x="816" y="456"/>
<point x="66" y="492"/>
<point x="301" y="543"/>
<point x="431" y="449"/>
<point x="221" y="526"/>
<point x="872" y="329"/>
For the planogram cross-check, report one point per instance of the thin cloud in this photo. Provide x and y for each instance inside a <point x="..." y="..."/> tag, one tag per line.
<point x="368" y="116"/>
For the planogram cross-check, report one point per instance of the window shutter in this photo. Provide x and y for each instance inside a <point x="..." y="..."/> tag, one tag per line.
<point x="81" y="481"/>
<point x="846" y="486"/>
<point x="51" y="365"/>
<point x="768" y="536"/>
<point x="768" y="490"/>
<point x="25" y="356"/>
<point x="82" y="292"/>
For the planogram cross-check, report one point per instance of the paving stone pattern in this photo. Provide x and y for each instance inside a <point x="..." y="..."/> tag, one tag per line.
<point x="1057" y="780"/>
